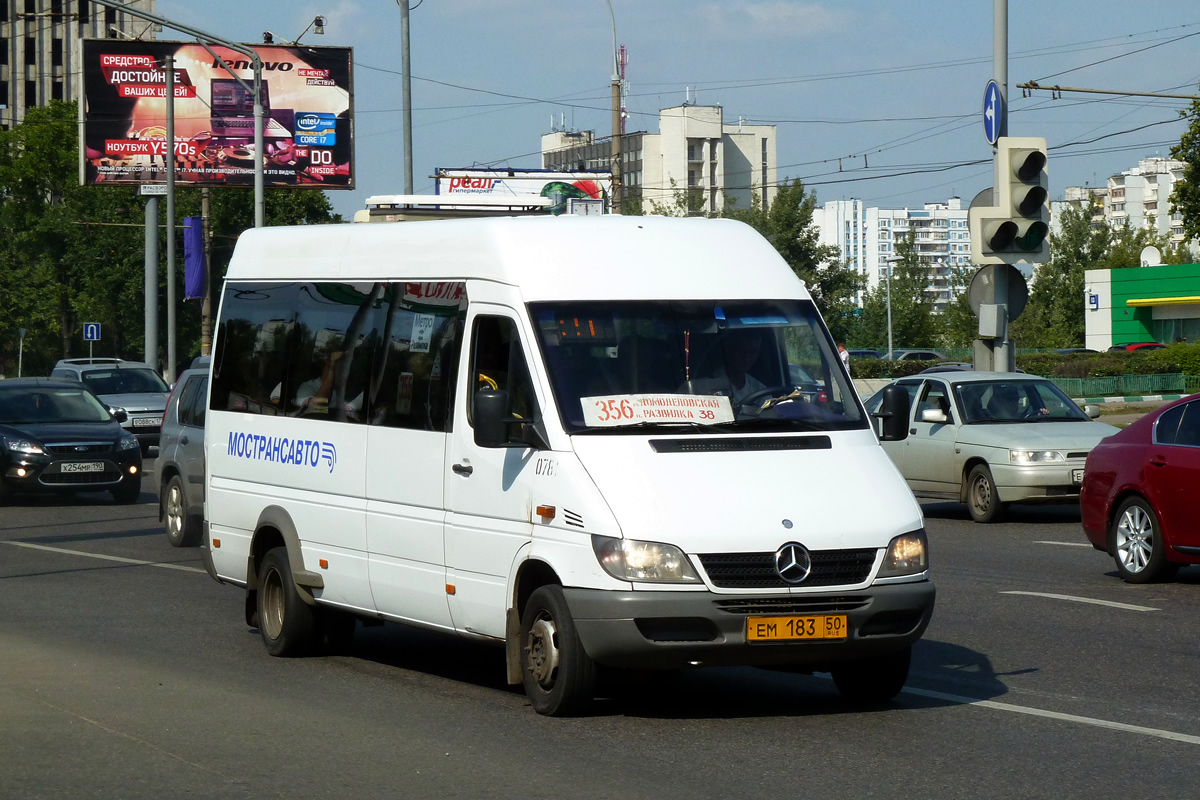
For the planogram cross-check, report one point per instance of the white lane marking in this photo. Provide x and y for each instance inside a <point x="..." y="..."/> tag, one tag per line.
<point x="1037" y="712"/>
<point x="1111" y="603"/>
<point x="1068" y="544"/>
<point x="32" y="546"/>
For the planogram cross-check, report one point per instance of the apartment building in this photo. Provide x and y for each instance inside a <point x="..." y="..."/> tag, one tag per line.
<point x="867" y="237"/>
<point x="695" y="152"/>
<point x="40" y="51"/>
<point x="1139" y="197"/>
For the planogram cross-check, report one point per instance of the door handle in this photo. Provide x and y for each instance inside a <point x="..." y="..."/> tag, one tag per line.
<point x="1158" y="461"/>
<point x="912" y="431"/>
<point x="463" y="469"/>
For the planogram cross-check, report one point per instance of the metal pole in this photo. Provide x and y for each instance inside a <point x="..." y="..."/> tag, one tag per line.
<point x="1002" y="351"/>
<point x="169" y="369"/>
<point x="406" y="84"/>
<point x="206" y="303"/>
<point x="151" y="282"/>
<point x="260" y="210"/>
<point x="616" y="115"/>
<point x="1000" y="59"/>
<point x="20" y="349"/>
<point x="889" y="306"/>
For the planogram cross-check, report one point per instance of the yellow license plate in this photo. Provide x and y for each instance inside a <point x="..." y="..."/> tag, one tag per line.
<point x="781" y="629"/>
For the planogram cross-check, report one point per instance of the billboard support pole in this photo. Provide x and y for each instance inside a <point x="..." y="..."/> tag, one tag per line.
<point x="206" y="307"/>
<point x="151" y="283"/>
<point x="406" y="86"/>
<point x="169" y="371"/>
<point x="206" y="39"/>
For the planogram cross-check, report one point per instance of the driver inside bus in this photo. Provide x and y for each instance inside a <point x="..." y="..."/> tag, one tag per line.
<point x="740" y="347"/>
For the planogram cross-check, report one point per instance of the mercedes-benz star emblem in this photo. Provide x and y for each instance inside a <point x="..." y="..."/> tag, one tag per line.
<point x="793" y="562"/>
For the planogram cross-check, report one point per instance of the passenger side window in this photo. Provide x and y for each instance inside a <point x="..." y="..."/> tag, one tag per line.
<point x="1167" y="425"/>
<point x="1189" y="426"/>
<point x="185" y="411"/>
<point x="498" y="362"/>
<point x="935" y="398"/>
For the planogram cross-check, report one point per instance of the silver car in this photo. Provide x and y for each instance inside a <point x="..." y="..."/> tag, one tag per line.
<point x="129" y="385"/>
<point x="987" y="439"/>
<point x="180" y="463"/>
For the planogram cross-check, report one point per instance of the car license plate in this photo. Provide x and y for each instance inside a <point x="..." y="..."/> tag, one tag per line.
<point x="1077" y="476"/>
<point x="780" y="629"/>
<point x="82" y="466"/>
<point x="145" y="422"/>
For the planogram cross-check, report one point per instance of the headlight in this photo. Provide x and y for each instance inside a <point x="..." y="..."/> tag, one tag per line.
<point x="907" y="554"/>
<point x="1034" y="456"/>
<point x="630" y="560"/>
<point x="127" y="443"/>
<point x="24" y="446"/>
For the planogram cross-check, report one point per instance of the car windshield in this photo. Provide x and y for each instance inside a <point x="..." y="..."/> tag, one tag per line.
<point x="30" y="405"/>
<point x="125" y="381"/>
<point x="700" y="365"/>
<point x="1016" y="401"/>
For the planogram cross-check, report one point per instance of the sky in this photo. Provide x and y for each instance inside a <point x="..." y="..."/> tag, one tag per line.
<point x="874" y="100"/>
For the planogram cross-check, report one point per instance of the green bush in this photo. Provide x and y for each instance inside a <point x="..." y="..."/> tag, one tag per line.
<point x="1184" y="358"/>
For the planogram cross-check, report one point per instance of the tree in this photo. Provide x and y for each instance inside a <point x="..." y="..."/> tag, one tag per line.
<point x="913" y="322"/>
<point x="1054" y="315"/>
<point x="1126" y="244"/>
<point x="71" y="253"/>
<point x="788" y="225"/>
<point x="960" y="325"/>
<point x="1185" y="197"/>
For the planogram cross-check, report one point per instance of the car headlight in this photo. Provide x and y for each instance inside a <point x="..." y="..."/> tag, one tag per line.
<point x="24" y="446"/>
<point x="907" y="554"/>
<point x="1035" y="456"/>
<point x="127" y="443"/>
<point x="631" y="560"/>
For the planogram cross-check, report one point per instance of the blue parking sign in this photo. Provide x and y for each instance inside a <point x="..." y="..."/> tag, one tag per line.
<point x="91" y="331"/>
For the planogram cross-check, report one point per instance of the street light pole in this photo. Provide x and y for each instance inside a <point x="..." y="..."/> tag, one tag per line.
<point x="616" y="114"/>
<point x="890" y="261"/>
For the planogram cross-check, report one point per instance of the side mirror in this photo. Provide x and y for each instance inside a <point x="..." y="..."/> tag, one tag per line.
<point x="894" y="411"/>
<point x="491" y="411"/>
<point x="1092" y="411"/>
<point x="934" y="415"/>
<point x="119" y="414"/>
<point x="494" y="423"/>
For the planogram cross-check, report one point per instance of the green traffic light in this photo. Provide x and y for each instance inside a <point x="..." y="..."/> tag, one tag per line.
<point x="1033" y="237"/>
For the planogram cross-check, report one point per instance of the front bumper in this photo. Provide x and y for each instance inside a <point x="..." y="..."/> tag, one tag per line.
<point x="43" y="474"/>
<point x="672" y="630"/>
<point x="1039" y="483"/>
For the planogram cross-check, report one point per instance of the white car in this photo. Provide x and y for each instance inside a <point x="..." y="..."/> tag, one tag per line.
<point x="987" y="439"/>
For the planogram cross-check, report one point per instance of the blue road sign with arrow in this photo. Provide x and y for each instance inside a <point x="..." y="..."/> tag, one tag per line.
<point x="91" y="331"/>
<point x="993" y="112"/>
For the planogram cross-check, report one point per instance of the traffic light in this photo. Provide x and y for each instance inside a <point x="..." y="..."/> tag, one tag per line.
<point x="1016" y="227"/>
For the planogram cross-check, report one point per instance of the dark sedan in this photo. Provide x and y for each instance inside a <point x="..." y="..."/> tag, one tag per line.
<point x="55" y="436"/>
<point x="1139" y="497"/>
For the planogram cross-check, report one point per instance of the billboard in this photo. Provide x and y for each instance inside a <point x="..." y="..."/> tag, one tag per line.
<point x="307" y="99"/>
<point x="518" y="183"/>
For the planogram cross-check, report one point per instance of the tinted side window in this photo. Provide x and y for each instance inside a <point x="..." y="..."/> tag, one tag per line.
<point x="199" y="406"/>
<point x="498" y="362"/>
<point x="251" y="364"/>
<point x="185" y="411"/>
<point x="1168" y="424"/>
<point x="1189" y="426"/>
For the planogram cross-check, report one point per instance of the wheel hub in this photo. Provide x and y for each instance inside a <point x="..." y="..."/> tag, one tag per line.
<point x="542" y="651"/>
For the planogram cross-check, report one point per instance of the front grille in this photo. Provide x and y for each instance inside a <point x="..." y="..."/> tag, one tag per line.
<point x="78" y="448"/>
<point x="75" y="478"/>
<point x="757" y="570"/>
<point x="798" y="604"/>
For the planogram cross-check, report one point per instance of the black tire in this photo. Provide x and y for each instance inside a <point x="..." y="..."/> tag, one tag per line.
<point x="128" y="491"/>
<point x="983" y="501"/>
<point x="1136" y="543"/>
<point x="181" y="528"/>
<point x="873" y="680"/>
<point x="559" y="677"/>
<point x="287" y="624"/>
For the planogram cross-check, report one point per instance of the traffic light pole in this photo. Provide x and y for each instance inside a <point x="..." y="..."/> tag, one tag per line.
<point x="998" y="354"/>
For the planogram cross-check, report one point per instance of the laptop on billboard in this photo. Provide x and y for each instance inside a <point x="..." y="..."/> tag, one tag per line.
<point x="232" y="111"/>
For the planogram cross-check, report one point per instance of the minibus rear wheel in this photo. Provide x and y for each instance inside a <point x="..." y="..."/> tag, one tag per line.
<point x="558" y="675"/>
<point x="287" y="624"/>
<point x="873" y="680"/>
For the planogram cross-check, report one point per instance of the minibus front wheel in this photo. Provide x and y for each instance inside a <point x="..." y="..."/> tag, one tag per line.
<point x="287" y="624"/>
<point x="558" y="675"/>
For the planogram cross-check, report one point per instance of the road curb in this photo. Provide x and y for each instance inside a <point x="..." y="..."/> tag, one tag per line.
<point x="1141" y="398"/>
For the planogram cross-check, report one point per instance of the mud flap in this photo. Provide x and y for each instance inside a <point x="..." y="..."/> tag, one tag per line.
<point x="512" y="646"/>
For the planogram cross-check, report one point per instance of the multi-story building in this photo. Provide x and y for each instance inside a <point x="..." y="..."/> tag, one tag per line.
<point x="1138" y="197"/>
<point x="695" y="153"/>
<point x="40" y="50"/>
<point x="867" y="237"/>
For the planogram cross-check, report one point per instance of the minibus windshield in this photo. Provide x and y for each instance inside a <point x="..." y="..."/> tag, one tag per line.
<point x="730" y="366"/>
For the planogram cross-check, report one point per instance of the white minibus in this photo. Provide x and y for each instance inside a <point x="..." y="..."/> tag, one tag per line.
<point x="603" y="443"/>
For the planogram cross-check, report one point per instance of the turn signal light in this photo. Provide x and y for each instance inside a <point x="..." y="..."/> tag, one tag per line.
<point x="324" y="563"/>
<point x="449" y="588"/>
<point x="545" y="512"/>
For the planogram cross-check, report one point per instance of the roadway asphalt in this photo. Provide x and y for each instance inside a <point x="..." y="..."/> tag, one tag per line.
<point x="126" y="672"/>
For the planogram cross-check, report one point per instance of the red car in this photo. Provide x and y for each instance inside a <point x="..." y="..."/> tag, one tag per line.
<point x="1140" y="498"/>
<point x="1138" y="346"/>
